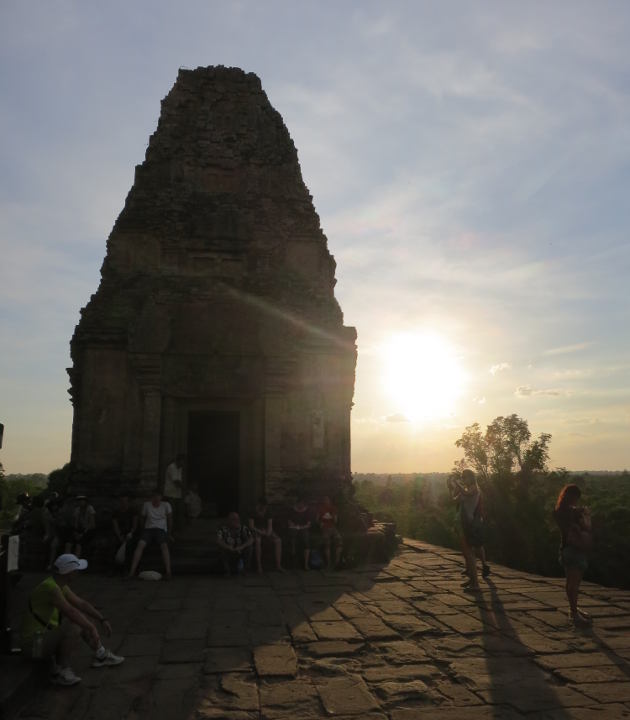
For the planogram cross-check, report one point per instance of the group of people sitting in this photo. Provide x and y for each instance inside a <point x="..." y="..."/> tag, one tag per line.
<point x="238" y="541"/>
<point x="63" y="524"/>
<point x="69" y="525"/>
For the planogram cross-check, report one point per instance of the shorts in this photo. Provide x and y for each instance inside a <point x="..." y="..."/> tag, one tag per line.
<point x="50" y="641"/>
<point x="571" y="558"/>
<point x="473" y="532"/>
<point x="263" y="537"/>
<point x="302" y="535"/>
<point x="331" y="533"/>
<point x="156" y="535"/>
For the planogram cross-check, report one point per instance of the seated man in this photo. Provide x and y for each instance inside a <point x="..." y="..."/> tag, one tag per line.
<point x="235" y="541"/>
<point x="327" y="518"/>
<point x="261" y="525"/>
<point x="299" y="523"/>
<point x="158" y="524"/>
<point x="45" y="636"/>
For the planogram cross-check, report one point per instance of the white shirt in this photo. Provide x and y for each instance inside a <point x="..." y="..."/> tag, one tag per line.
<point x="171" y="488"/>
<point x="156" y="516"/>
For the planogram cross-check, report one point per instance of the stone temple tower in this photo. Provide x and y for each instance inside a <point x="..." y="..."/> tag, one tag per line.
<point x="215" y="331"/>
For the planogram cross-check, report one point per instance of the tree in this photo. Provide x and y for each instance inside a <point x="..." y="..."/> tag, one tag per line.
<point x="505" y="449"/>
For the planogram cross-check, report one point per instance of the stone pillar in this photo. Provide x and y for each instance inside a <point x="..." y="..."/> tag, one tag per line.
<point x="150" y="459"/>
<point x="278" y="371"/>
<point x="148" y="369"/>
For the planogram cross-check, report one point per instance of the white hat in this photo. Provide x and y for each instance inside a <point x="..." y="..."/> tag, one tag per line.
<point x="68" y="563"/>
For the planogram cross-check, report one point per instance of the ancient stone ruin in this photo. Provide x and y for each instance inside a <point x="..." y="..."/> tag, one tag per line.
<point x="215" y="331"/>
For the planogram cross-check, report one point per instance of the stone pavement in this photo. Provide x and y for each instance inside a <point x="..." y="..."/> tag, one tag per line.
<point x="400" y="641"/>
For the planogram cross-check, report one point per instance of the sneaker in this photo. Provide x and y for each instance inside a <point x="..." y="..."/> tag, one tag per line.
<point x="108" y="660"/>
<point x="578" y="621"/>
<point x="64" y="676"/>
<point x="485" y="571"/>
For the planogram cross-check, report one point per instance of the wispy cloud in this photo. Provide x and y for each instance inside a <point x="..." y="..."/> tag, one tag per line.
<point x="397" y="418"/>
<point x="527" y="391"/>
<point x="566" y="349"/>
<point x="499" y="367"/>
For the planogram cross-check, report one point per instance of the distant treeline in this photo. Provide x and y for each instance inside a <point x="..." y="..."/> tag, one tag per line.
<point x="13" y="485"/>
<point x="521" y="532"/>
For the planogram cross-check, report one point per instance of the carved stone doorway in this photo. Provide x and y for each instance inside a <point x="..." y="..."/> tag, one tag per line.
<point x="213" y="459"/>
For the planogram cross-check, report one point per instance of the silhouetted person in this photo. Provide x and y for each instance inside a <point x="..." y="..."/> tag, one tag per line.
<point x="84" y="521"/>
<point x="327" y="517"/>
<point x="575" y="528"/>
<point x="468" y="494"/>
<point x="157" y="516"/>
<point x="261" y="525"/>
<point x="174" y="489"/>
<point x="299" y="523"/>
<point x="124" y="524"/>
<point x="236" y="542"/>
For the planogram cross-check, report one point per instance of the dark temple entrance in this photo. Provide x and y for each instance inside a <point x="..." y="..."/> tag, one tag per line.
<point x="213" y="459"/>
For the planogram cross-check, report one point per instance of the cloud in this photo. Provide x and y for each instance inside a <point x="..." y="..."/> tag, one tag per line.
<point x="397" y="418"/>
<point x="499" y="367"/>
<point x="567" y="349"/>
<point x="528" y="391"/>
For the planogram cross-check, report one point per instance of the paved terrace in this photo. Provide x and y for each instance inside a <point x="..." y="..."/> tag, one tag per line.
<point x="400" y="641"/>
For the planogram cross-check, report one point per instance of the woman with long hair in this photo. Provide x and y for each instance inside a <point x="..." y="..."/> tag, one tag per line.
<point x="574" y="522"/>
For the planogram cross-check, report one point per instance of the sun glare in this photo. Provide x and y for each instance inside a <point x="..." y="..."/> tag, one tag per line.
<point x="422" y="376"/>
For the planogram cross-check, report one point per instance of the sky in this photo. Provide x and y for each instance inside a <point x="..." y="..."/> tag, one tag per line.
<point x="470" y="164"/>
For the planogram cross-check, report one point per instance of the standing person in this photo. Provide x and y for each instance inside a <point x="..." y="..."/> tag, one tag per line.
<point x="174" y="489"/>
<point x="84" y="519"/>
<point x="261" y="525"/>
<point x="327" y="518"/>
<point x="45" y="636"/>
<point x="51" y="509"/>
<point x="299" y="523"/>
<point x="574" y="522"/>
<point x="468" y="494"/>
<point x="157" y="516"/>
<point x="235" y="541"/>
<point x="64" y="519"/>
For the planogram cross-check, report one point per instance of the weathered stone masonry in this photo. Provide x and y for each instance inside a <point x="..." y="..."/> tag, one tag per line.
<point x="215" y="330"/>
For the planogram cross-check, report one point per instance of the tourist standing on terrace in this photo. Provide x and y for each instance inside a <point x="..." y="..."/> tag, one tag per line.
<point x="44" y="636"/>
<point x="576" y="540"/>
<point x="468" y="493"/>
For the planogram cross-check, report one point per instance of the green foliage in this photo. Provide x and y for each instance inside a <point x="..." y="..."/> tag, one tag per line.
<point x="59" y="479"/>
<point x="519" y="494"/>
<point x="13" y="485"/>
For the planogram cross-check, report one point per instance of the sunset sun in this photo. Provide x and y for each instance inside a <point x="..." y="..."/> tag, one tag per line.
<point x="422" y="376"/>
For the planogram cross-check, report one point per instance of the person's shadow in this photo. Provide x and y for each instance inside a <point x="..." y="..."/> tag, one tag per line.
<point x="513" y="677"/>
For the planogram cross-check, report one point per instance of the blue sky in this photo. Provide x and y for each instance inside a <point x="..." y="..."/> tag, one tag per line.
<point x="470" y="164"/>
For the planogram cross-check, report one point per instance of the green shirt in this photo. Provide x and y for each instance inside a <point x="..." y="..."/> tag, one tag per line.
<point x="41" y="614"/>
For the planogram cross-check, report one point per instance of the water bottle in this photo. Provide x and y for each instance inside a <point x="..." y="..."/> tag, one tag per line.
<point x="38" y="645"/>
